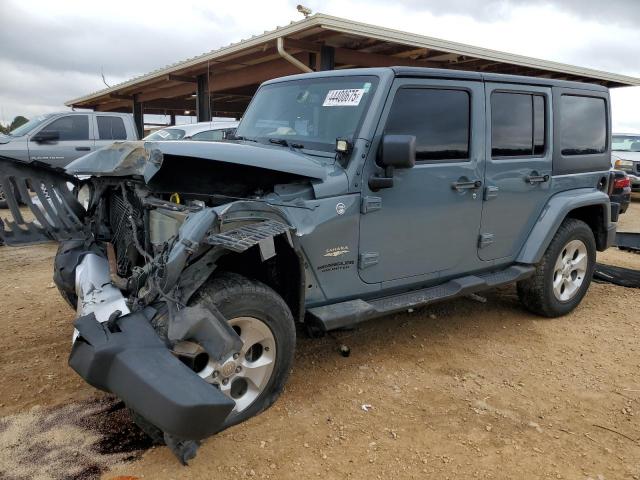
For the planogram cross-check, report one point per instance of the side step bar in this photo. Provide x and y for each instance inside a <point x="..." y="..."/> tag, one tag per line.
<point x="349" y="313"/>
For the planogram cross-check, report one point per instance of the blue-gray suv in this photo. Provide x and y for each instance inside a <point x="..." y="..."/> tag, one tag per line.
<point x="344" y="196"/>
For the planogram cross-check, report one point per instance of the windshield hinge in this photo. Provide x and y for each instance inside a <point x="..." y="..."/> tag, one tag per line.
<point x="485" y="240"/>
<point x="368" y="259"/>
<point x="370" y="204"/>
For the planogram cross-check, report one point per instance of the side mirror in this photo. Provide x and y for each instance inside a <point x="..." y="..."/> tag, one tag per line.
<point x="46" y="137"/>
<point x="396" y="151"/>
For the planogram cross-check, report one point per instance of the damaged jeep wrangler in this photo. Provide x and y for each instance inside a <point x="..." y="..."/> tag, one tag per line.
<point x="344" y="196"/>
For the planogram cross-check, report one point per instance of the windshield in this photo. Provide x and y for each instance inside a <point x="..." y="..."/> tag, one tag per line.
<point x="310" y="113"/>
<point x="625" y="143"/>
<point x="166" y="134"/>
<point x="30" y="125"/>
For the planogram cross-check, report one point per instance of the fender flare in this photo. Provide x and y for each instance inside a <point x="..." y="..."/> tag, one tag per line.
<point x="554" y="213"/>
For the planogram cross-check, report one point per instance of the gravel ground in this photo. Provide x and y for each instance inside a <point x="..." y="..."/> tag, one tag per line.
<point x="460" y="390"/>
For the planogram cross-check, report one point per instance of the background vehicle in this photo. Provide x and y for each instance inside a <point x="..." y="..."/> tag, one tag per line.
<point x="620" y="189"/>
<point x="625" y="156"/>
<point x="346" y="195"/>
<point x="59" y="138"/>
<point x="202" y="131"/>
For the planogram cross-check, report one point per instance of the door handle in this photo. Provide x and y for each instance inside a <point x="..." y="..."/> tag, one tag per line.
<point x="533" y="179"/>
<point x="83" y="149"/>
<point x="466" y="184"/>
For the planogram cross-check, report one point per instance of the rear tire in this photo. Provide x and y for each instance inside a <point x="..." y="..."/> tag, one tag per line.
<point x="564" y="274"/>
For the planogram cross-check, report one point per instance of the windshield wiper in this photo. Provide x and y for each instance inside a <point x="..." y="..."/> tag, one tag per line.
<point x="284" y="143"/>
<point x="240" y="137"/>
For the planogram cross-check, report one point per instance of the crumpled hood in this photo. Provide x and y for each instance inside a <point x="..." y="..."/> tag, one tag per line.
<point x="146" y="158"/>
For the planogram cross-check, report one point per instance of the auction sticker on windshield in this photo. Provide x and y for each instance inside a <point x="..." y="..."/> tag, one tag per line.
<point x="349" y="97"/>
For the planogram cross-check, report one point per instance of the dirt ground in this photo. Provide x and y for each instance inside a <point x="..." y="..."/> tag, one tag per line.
<point x="463" y="389"/>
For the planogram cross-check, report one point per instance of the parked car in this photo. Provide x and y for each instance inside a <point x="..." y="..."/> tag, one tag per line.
<point x="203" y="132"/>
<point x="625" y="156"/>
<point x="346" y="195"/>
<point x="59" y="138"/>
<point x="620" y="189"/>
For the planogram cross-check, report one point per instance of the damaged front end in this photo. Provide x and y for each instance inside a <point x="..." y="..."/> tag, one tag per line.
<point x="129" y="262"/>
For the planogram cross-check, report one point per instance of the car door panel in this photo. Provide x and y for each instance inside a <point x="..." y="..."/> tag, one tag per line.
<point x="516" y="187"/>
<point x="76" y="139"/>
<point x="425" y="227"/>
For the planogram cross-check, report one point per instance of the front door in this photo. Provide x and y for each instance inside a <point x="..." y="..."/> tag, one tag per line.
<point x="75" y="139"/>
<point x="518" y="172"/>
<point x="426" y="225"/>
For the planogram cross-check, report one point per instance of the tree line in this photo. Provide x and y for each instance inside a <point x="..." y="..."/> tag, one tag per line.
<point x="18" y="121"/>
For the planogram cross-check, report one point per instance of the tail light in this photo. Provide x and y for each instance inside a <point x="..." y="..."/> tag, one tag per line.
<point x="622" y="182"/>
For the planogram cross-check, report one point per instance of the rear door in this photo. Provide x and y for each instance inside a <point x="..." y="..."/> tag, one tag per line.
<point x="75" y="139"/>
<point x="426" y="225"/>
<point x="519" y="166"/>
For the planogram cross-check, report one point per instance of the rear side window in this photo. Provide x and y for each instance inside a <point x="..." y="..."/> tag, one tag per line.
<point x="583" y="125"/>
<point x="111" y="128"/>
<point x="209" y="136"/>
<point x="72" y="127"/>
<point x="438" y="118"/>
<point x="517" y="124"/>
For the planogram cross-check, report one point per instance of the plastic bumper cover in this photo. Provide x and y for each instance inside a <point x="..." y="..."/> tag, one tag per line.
<point x="127" y="358"/>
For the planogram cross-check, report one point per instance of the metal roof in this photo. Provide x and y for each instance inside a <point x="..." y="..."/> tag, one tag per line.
<point x="373" y="42"/>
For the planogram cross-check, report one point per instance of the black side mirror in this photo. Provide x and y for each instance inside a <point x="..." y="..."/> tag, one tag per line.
<point x="46" y="137"/>
<point x="396" y="151"/>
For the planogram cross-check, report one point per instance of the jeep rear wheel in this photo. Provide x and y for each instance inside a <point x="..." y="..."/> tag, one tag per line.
<point x="265" y="324"/>
<point x="563" y="276"/>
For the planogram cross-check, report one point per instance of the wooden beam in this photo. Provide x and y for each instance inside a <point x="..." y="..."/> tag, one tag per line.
<point x="254" y="74"/>
<point x="362" y="59"/>
<point x="168" y="92"/>
<point x="181" y="78"/>
<point x="111" y="106"/>
<point x="119" y="96"/>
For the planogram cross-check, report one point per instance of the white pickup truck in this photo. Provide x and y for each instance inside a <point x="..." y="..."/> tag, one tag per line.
<point x="59" y="138"/>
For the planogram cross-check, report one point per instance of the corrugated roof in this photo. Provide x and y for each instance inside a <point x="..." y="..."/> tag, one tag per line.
<point x="359" y="29"/>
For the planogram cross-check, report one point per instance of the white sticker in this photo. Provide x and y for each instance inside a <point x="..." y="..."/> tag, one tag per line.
<point x="349" y="97"/>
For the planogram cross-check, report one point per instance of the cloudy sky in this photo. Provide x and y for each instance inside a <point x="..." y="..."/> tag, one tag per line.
<point x="52" y="51"/>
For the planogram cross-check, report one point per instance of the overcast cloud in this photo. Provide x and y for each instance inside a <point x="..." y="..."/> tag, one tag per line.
<point x="54" y="51"/>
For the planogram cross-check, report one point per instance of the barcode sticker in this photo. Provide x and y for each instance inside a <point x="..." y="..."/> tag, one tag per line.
<point x="349" y="97"/>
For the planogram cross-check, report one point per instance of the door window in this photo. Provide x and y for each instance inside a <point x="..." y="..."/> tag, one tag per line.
<point x="583" y="125"/>
<point x="72" y="127"/>
<point x="111" y="128"/>
<point x="517" y="125"/>
<point x="209" y="136"/>
<point x="438" y="118"/>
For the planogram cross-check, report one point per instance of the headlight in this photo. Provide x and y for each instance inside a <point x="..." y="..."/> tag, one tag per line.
<point x="624" y="164"/>
<point x="84" y="196"/>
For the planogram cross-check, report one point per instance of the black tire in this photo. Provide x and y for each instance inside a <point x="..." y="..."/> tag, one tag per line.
<point x="536" y="292"/>
<point x="237" y="296"/>
<point x="3" y="201"/>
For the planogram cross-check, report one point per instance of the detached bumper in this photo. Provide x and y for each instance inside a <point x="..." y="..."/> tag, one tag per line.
<point x="129" y="360"/>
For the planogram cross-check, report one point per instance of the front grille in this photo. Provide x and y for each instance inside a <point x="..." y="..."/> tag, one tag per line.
<point x="121" y="213"/>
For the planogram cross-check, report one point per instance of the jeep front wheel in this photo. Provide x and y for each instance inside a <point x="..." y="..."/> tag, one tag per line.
<point x="563" y="276"/>
<point x="265" y="324"/>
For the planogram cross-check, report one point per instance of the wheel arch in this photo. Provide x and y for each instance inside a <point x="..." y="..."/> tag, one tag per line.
<point x="589" y="205"/>
<point x="284" y="272"/>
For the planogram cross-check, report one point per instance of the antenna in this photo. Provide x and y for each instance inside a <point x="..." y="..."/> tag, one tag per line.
<point x="102" y="75"/>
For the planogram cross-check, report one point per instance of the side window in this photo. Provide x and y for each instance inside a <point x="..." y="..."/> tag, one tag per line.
<point x="517" y="124"/>
<point x="438" y="118"/>
<point x="72" y="127"/>
<point x="583" y="125"/>
<point x="111" y="128"/>
<point x="208" y="136"/>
